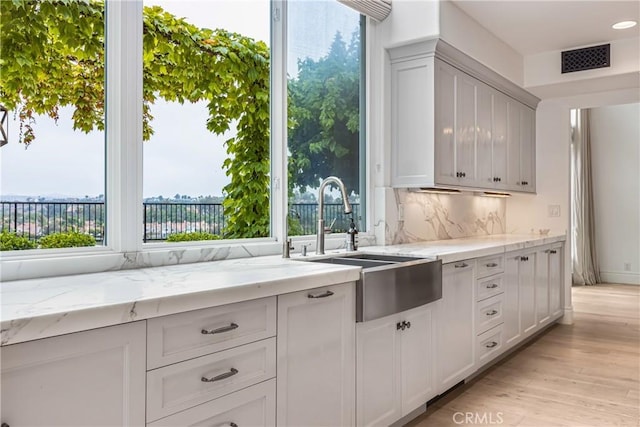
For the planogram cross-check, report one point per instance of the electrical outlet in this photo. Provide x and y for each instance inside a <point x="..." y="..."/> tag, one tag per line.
<point x="554" y="211"/>
<point x="400" y="212"/>
<point x="627" y="266"/>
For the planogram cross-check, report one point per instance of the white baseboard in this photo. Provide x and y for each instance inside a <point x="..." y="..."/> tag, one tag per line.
<point x="624" y="277"/>
<point x="567" y="318"/>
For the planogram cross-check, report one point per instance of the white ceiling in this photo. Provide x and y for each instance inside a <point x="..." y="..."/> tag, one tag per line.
<point x="535" y="26"/>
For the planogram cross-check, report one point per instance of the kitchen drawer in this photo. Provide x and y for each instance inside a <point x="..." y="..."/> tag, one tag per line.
<point x="489" y="345"/>
<point x="489" y="313"/>
<point x="183" y="336"/>
<point x="184" y="385"/>
<point x="490" y="265"/>
<point x="489" y="287"/>
<point x="252" y="406"/>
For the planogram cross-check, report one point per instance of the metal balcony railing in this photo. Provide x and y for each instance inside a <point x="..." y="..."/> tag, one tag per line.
<point x="37" y="219"/>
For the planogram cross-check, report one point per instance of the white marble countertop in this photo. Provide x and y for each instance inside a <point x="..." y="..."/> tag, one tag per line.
<point x="454" y="250"/>
<point x="40" y="308"/>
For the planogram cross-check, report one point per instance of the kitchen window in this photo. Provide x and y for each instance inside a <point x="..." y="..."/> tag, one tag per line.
<point x="180" y="84"/>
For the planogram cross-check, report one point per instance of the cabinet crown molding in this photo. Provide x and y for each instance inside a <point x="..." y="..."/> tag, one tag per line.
<point x="442" y="50"/>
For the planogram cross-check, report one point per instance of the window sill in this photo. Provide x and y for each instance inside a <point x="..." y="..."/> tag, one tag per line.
<point x="61" y="262"/>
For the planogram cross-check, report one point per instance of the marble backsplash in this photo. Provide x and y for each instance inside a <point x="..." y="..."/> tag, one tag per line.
<point x="437" y="216"/>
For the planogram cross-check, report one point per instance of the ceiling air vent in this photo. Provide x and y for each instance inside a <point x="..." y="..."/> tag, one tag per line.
<point x="586" y="58"/>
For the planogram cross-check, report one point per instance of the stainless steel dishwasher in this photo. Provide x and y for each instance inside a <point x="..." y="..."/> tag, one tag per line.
<point x="391" y="284"/>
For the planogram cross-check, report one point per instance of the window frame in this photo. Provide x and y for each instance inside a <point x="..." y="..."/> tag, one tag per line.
<point x="124" y="247"/>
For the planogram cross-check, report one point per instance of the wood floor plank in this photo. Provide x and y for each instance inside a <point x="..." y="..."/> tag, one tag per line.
<point x="585" y="374"/>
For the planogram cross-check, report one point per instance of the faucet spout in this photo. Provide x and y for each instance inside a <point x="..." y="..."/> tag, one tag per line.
<point x="347" y="209"/>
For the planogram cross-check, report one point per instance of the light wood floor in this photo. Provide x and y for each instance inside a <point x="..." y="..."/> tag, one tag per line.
<point x="585" y="374"/>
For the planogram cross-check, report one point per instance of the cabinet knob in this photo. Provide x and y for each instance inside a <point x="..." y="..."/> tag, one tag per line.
<point x="553" y="251"/>
<point x="400" y="326"/>
<point x="407" y="324"/>
<point x="524" y="258"/>
<point x="499" y="179"/>
<point x="464" y="174"/>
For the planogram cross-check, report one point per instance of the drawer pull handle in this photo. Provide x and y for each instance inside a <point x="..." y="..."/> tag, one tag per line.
<point x="221" y="330"/>
<point x="220" y="377"/>
<point x="492" y="312"/>
<point x="462" y="265"/>
<point x="491" y="265"/>
<point x="492" y="286"/>
<point x="553" y="251"/>
<point x="491" y="344"/>
<point x="322" y="295"/>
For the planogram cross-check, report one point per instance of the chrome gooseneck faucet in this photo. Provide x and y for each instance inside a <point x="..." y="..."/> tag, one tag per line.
<point x="347" y="209"/>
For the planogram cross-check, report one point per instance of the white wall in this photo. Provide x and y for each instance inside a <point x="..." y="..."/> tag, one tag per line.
<point x="615" y="138"/>
<point x="466" y="34"/>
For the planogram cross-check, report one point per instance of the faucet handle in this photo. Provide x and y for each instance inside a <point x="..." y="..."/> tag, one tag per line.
<point x="287" y="247"/>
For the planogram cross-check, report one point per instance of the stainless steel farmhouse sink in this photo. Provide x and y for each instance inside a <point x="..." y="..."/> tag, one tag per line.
<point x="390" y="284"/>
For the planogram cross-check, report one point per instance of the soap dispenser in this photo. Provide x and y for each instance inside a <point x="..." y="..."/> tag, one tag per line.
<point x="352" y="237"/>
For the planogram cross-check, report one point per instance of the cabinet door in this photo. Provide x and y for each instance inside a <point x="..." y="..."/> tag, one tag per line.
<point x="556" y="289"/>
<point x="455" y="358"/>
<point x="417" y="344"/>
<point x="527" y="149"/>
<point x="542" y="286"/>
<point x="412" y="123"/>
<point x="316" y="357"/>
<point x="500" y="138"/>
<point x="526" y="278"/>
<point x="512" y="330"/>
<point x="465" y="129"/>
<point x="513" y="145"/>
<point x="485" y="164"/>
<point x="93" y="378"/>
<point x="378" y="370"/>
<point x="445" y="113"/>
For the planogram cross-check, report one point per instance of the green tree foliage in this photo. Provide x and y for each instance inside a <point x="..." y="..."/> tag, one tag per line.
<point x="192" y="236"/>
<point x="324" y="110"/>
<point x="10" y="241"/>
<point x="53" y="56"/>
<point x="71" y="239"/>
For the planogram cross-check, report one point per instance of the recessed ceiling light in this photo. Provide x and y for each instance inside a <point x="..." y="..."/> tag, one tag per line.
<point x="623" y="25"/>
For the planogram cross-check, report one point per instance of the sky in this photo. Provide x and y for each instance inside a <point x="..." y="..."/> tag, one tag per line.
<point x="182" y="157"/>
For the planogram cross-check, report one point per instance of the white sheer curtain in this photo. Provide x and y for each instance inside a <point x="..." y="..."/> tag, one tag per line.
<point x="583" y="253"/>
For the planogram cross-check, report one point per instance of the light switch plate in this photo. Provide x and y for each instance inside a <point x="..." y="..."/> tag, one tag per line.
<point x="554" y="211"/>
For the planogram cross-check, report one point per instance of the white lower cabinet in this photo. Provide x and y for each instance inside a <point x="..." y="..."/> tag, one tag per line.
<point x="253" y="406"/>
<point x="490" y="344"/>
<point x="316" y="357"/>
<point x="556" y="291"/>
<point x="395" y="365"/>
<point x="456" y="337"/>
<point x="520" y="296"/>
<point x="533" y="290"/>
<point x="92" y="378"/>
<point x="177" y="387"/>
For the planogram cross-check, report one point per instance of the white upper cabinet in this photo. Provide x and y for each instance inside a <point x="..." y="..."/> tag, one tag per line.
<point x="521" y="147"/>
<point x="455" y="123"/>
